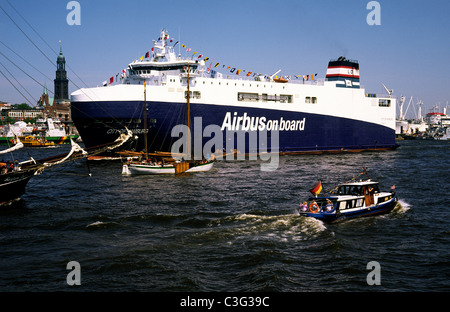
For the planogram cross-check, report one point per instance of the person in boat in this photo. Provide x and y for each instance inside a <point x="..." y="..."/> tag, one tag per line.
<point x="3" y="167"/>
<point x="303" y="207"/>
<point x="16" y="165"/>
<point x="329" y="206"/>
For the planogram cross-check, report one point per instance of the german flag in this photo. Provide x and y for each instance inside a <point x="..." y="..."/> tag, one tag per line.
<point x="316" y="189"/>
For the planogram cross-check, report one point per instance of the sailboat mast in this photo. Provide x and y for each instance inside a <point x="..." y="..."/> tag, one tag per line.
<point x="188" y="112"/>
<point x="145" y="122"/>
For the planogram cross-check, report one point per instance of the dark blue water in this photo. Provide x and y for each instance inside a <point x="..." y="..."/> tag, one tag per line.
<point x="232" y="229"/>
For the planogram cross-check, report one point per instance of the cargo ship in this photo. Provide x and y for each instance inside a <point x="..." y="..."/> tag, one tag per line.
<point x="317" y="115"/>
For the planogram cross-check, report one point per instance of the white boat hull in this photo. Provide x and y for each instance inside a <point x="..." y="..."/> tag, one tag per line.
<point x="201" y="168"/>
<point x="137" y="169"/>
<point x="132" y="169"/>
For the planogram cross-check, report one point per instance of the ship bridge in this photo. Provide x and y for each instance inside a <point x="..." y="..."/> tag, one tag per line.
<point x="163" y="61"/>
<point x="149" y="67"/>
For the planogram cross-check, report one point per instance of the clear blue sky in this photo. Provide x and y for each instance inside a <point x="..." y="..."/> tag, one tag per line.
<point x="409" y="52"/>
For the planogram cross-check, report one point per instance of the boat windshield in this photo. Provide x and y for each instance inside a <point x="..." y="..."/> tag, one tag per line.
<point x="355" y="190"/>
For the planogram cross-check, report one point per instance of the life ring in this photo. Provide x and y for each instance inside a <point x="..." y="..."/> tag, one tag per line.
<point x="314" y="205"/>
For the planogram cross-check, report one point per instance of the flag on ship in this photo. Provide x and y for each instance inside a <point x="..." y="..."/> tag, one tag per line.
<point x="316" y="189"/>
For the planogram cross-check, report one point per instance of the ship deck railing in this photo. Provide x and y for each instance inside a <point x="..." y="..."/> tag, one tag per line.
<point x="318" y="81"/>
<point x="160" y="80"/>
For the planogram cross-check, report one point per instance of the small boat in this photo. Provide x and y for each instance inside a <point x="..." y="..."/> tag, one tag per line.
<point x="159" y="167"/>
<point x="349" y="200"/>
<point x="13" y="181"/>
<point x="162" y="163"/>
<point x="32" y="141"/>
<point x="280" y="80"/>
<point x="14" y="177"/>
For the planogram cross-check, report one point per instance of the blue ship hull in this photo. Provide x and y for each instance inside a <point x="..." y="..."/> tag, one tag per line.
<point x="101" y="122"/>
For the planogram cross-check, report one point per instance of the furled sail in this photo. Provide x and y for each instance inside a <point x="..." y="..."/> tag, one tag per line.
<point x="13" y="148"/>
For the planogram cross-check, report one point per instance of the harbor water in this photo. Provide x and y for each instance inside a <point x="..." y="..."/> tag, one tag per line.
<point x="235" y="228"/>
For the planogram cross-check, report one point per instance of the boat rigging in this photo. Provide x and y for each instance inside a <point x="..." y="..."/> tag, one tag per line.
<point x="164" y="162"/>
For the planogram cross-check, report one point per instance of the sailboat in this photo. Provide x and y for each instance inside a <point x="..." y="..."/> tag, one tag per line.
<point x="14" y="176"/>
<point x="13" y="180"/>
<point x="163" y="162"/>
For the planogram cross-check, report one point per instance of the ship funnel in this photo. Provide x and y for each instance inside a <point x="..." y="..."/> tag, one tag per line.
<point x="344" y="71"/>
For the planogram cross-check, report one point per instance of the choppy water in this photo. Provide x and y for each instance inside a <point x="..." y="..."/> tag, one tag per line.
<point x="232" y="229"/>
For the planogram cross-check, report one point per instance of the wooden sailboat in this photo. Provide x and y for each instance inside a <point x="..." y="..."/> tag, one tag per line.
<point x="15" y="176"/>
<point x="163" y="162"/>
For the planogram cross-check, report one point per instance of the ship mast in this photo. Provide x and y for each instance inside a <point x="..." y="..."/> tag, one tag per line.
<point x="188" y="113"/>
<point x="145" y="122"/>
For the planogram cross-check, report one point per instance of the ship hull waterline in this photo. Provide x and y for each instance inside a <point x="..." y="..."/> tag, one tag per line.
<point x="98" y="122"/>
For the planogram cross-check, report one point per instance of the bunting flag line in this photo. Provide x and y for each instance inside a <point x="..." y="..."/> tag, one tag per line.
<point x="233" y="70"/>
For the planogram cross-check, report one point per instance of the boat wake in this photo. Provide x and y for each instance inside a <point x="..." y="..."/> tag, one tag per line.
<point x="285" y="228"/>
<point x="401" y="207"/>
<point x="100" y="224"/>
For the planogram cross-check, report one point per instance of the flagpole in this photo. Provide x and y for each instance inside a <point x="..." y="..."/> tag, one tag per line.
<point x="179" y="38"/>
<point x="188" y="108"/>
<point x="145" y="122"/>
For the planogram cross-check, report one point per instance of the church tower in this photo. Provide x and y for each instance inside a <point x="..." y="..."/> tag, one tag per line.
<point x="61" y="81"/>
